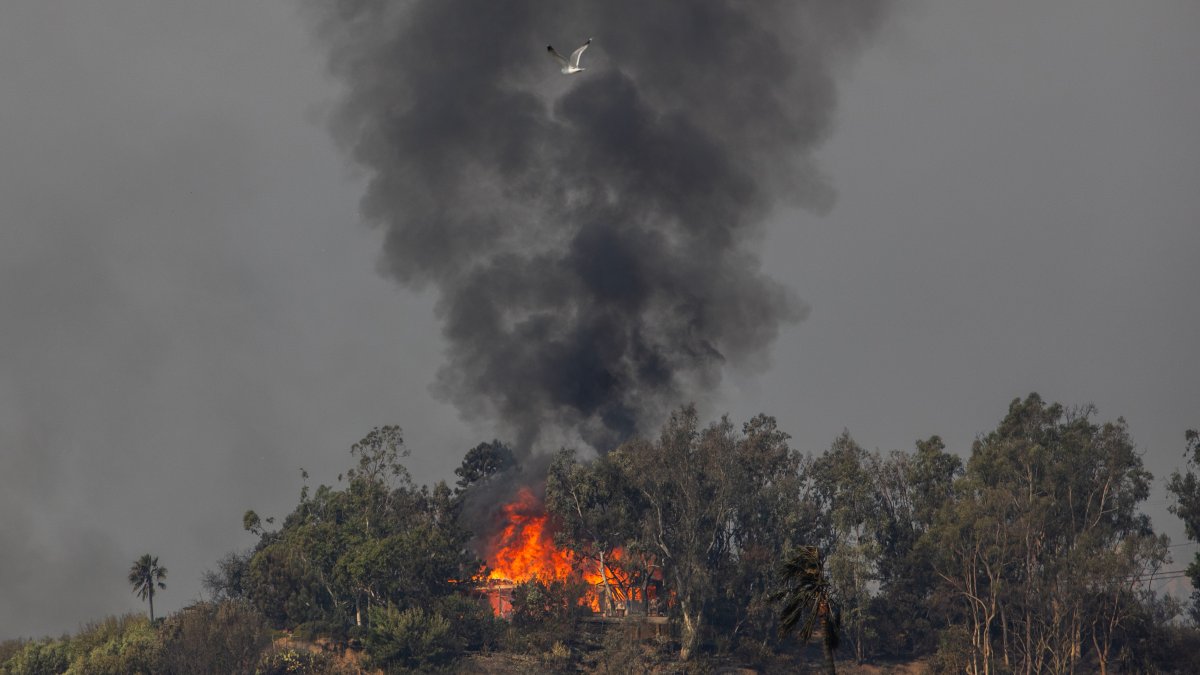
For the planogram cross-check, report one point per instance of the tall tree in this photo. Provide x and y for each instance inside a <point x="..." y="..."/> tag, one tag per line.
<point x="807" y="598"/>
<point x="1044" y="521"/>
<point x="706" y="503"/>
<point x="146" y="576"/>
<point x="776" y="513"/>
<point x="684" y="479"/>
<point x="594" y="508"/>
<point x="909" y="490"/>
<point x="845" y="481"/>
<point x="1186" y="489"/>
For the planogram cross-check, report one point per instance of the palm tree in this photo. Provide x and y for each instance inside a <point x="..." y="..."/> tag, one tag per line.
<point x="144" y="576"/>
<point x="807" y="601"/>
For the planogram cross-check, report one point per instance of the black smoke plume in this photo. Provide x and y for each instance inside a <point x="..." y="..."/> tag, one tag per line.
<point x="591" y="237"/>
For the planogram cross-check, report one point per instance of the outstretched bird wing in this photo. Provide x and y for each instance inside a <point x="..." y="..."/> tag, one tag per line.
<point x="578" y="52"/>
<point x="555" y="54"/>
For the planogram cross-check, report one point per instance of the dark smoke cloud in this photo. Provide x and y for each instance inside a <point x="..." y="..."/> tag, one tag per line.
<point x="592" y="238"/>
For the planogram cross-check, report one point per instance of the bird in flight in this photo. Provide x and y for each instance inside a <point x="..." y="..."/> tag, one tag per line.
<point x="569" y="66"/>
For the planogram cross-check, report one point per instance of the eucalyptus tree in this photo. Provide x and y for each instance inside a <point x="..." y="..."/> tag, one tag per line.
<point x="776" y="512"/>
<point x="1044" y="521"/>
<point x="596" y="512"/>
<point x="711" y="507"/>
<point x="146" y="576"/>
<point x="910" y="487"/>
<point x="684" y="479"/>
<point x="375" y="539"/>
<point x="846" y="482"/>
<point x="1185" y="488"/>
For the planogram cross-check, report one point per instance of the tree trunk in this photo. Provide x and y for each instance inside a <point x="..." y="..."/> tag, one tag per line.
<point x="151" y="598"/>
<point x="830" y="666"/>
<point x="606" y="608"/>
<point x="1004" y="635"/>
<point x="646" y="594"/>
<point x="691" y="630"/>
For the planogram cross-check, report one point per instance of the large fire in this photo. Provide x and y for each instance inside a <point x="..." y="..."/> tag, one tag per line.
<point x="522" y="549"/>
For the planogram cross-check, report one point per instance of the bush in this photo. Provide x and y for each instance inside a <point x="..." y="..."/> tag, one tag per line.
<point x="126" y="645"/>
<point x="40" y="658"/>
<point x="311" y="631"/>
<point x="954" y="651"/>
<point x="292" y="661"/>
<point x="472" y="623"/>
<point x="410" y="639"/>
<point x="9" y="649"/>
<point x="622" y="651"/>
<point x="545" y="613"/>
<point x="225" y="637"/>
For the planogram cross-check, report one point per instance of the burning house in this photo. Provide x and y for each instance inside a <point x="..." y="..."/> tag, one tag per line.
<point x="522" y="548"/>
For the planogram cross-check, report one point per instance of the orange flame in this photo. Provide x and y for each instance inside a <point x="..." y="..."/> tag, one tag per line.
<point x="523" y="549"/>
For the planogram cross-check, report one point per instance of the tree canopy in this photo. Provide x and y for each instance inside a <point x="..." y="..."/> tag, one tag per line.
<point x="1027" y="552"/>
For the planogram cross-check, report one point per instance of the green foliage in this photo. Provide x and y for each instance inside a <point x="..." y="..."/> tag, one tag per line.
<point x="410" y="639"/>
<point x="953" y="655"/>
<point x="8" y="649"/>
<point x="594" y="505"/>
<point x="214" y="637"/>
<point x="482" y="462"/>
<point x="251" y="522"/>
<point x="50" y="657"/>
<point x="807" y="599"/>
<point x="228" y="581"/>
<point x="1160" y="647"/>
<point x="126" y="645"/>
<point x="292" y="661"/>
<point x="872" y="511"/>
<point x="1185" y="487"/>
<point x="845" y="482"/>
<point x="597" y="514"/>
<point x="312" y="631"/>
<point x="116" y="646"/>
<point x="806" y="596"/>
<point x="379" y="454"/>
<point x="909" y="489"/>
<point x="1042" y="545"/>
<point x="710" y="508"/>
<point x="1031" y="552"/>
<point x="547" y="607"/>
<point x="619" y="653"/>
<point x="283" y="586"/>
<point x="472" y="624"/>
<point x="378" y="540"/>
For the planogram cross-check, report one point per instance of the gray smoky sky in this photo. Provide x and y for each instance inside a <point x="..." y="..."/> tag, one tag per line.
<point x="593" y="240"/>
<point x="191" y="307"/>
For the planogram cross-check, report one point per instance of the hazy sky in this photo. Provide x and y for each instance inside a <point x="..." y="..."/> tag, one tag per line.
<point x="190" y="309"/>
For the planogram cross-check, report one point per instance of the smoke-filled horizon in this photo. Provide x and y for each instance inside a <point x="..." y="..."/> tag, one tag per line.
<point x="592" y="239"/>
<point x="189" y="316"/>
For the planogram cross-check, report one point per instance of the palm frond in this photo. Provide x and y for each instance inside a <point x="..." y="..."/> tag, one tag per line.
<point x="805" y="595"/>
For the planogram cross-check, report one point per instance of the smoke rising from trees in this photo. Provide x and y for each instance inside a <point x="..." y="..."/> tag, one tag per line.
<point x="592" y="239"/>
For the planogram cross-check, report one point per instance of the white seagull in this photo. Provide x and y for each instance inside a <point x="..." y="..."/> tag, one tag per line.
<point x="569" y="66"/>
